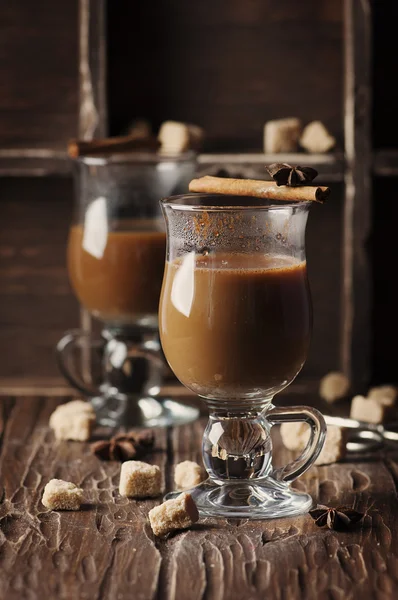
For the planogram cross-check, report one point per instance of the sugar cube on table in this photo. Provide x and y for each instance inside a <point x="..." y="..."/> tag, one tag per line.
<point x="62" y="495"/>
<point x="139" y="480"/>
<point x="187" y="474"/>
<point x="296" y="435"/>
<point x="178" y="513"/>
<point x="335" y="446"/>
<point x="74" y="420"/>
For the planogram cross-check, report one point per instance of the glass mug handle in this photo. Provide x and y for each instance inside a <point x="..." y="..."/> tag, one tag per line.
<point x="64" y="349"/>
<point x="305" y="414"/>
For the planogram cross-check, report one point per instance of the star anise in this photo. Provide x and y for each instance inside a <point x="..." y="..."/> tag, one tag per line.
<point x="339" y="517"/>
<point x="285" y="174"/>
<point x="125" y="446"/>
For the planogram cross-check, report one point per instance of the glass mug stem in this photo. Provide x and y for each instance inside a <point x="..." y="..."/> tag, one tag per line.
<point x="238" y="446"/>
<point x="131" y="366"/>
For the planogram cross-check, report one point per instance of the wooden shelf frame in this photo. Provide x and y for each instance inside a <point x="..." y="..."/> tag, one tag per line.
<point x="355" y="352"/>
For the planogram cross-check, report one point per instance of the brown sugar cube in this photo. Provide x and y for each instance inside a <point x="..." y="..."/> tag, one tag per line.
<point x="316" y="138"/>
<point x="334" y="386"/>
<point x="187" y="474"/>
<point x="335" y="446"/>
<point x="77" y="406"/>
<point x="62" y="495"/>
<point x="281" y="135"/>
<point x="296" y="435"/>
<point x="176" y="137"/>
<point x="367" y="409"/>
<point x="385" y="394"/>
<point x="178" y="513"/>
<point x="73" y="421"/>
<point x="139" y="480"/>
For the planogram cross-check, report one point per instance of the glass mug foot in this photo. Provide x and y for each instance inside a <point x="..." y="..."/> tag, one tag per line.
<point x="268" y="499"/>
<point x="237" y="454"/>
<point x="130" y="367"/>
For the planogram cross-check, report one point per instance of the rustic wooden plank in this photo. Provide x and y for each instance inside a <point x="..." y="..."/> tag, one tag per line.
<point x="356" y="340"/>
<point x="35" y="162"/>
<point x="107" y="550"/>
<point x="36" y="302"/>
<point x="39" y="74"/>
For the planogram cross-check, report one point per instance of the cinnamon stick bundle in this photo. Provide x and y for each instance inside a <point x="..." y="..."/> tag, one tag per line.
<point x="258" y="189"/>
<point x="128" y="143"/>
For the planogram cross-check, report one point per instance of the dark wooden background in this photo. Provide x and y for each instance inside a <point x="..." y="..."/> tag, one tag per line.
<point x="38" y="73"/>
<point x="228" y="66"/>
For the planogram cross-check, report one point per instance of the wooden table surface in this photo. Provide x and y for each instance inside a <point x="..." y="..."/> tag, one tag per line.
<point x="107" y="550"/>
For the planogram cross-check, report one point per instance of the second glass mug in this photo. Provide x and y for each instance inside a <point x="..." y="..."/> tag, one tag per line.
<point x="116" y="254"/>
<point x="235" y="320"/>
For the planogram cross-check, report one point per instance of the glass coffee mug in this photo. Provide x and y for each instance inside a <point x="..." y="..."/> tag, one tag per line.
<point x="235" y="322"/>
<point x="116" y="254"/>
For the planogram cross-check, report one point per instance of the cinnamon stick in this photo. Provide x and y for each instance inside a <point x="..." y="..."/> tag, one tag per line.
<point x="126" y="143"/>
<point x="258" y="189"/>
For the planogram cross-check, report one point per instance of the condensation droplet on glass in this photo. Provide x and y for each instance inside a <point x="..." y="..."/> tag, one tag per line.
<point x="278" y="236"/>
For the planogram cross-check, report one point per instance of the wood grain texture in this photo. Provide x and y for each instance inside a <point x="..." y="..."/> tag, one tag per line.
<point x="227" y="66"/>
<point x="38" y="73"/>
<point x="36" y="302"/>
<point x="107" y="550"/>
